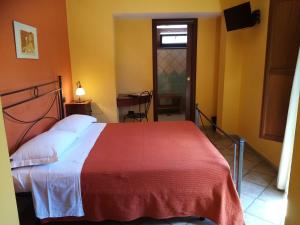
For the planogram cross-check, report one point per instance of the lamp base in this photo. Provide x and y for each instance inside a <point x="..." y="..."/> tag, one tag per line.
<point x="79" y="100"/>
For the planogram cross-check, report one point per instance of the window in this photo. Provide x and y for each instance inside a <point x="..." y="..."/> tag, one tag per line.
<point x="173" y="40"/>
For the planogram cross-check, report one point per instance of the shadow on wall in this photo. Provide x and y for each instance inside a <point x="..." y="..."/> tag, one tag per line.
<point x="98" y="113"/>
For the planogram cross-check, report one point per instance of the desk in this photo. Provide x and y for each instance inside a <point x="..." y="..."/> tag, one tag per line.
<point x="125" y="100"/>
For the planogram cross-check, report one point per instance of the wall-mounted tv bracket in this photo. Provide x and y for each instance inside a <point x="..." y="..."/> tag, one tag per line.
<point x="256" y="15"/>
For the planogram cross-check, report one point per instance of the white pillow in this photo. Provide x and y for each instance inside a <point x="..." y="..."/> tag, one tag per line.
<point x="42" y="149"/>
<point x="75" y="123"/>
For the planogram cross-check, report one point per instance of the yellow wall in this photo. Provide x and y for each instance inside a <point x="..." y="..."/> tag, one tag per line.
<point x="133" y="55"/>
<point x="245" y="52"/>
<point x="134" y="71"/>
<point x="230" y="73"/>
<point x="221" y="70"/>
<point x="293" y="216"/>
<point x="8" y="208"/>
<point x="252" y="86"/>
<point x="208" y="64"/>
<point x="92" y="46"/>
<point x="133" y="49"/>
<point x="232" y="82"/>
<point x="91" y="37"/>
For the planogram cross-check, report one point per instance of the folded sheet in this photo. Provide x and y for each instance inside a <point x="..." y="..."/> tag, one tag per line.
<point x="55" y="187"/>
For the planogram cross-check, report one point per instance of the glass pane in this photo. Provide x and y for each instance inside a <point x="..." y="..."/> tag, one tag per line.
<point x="177" y="26"/>
<point x="171" y="72"/>
<point x="176" y="39"/>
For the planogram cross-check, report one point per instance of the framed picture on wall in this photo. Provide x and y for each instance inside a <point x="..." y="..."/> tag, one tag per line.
<point x="26" y="41"/>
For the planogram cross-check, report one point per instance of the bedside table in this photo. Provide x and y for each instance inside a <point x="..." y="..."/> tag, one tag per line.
<point x="83" y="107"/>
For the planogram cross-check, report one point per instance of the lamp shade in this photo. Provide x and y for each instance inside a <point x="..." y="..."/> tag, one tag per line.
<point x="80" y="91"/>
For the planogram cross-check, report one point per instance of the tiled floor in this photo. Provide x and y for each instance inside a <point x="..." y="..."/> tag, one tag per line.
<point x="171" y="117"/>
<point x="262" y="203"/>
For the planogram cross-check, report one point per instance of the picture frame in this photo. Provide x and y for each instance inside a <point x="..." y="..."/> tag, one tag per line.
<point x="26" y="41"/>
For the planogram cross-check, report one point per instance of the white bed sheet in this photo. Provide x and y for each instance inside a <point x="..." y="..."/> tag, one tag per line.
<point x="55" y="187"/>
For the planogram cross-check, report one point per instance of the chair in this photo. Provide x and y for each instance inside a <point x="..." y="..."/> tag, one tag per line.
<point x="144" y="102"/>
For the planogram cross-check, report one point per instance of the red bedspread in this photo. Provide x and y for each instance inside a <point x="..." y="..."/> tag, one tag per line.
<point x="157" y="170"/>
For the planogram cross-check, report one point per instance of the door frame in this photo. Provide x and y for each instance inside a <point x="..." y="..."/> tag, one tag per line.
<point x="191" y="60"/>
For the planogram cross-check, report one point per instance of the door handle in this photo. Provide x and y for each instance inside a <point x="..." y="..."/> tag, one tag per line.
<point x="188" y="79"/>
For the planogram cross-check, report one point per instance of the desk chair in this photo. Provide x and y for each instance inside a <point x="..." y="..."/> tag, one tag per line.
<point x="144" y="102"/>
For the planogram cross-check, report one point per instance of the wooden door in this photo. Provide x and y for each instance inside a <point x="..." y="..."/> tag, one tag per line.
<point x="282" y="50"/>
<point x="190" y="64"/>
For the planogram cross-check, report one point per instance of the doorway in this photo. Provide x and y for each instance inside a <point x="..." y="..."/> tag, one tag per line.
<point x="174" y="69"/>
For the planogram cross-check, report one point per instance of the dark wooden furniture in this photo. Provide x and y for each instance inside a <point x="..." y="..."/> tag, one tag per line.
<point x="126" y="100"/>
<point x="282" y="49"/>
<point x="144" y="101"/>
<point x="168" y="103"/>
<point x="83" y="107"/>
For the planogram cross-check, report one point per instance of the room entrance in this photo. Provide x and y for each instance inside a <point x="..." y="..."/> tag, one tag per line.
<point x="174" y="68"/>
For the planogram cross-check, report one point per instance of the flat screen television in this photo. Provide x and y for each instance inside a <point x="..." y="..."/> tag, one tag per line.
<point x="238" y="17"/>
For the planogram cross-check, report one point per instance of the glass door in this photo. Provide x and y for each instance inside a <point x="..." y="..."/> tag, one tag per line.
<point x="173" y="83"/>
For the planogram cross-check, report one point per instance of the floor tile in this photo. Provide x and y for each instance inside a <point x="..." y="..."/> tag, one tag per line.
<point x="265" y="168"/>
<point x="171" y="117"/>
<point x="245" y="171"/>
<point x="251" y="189"/>
<point x="248" y="164"/>
<point x="246" y="201"/>
<point x="270" y="211"/>
<point x="178" y="223"/>
<point x="259" y="194"/>
<point x="253" y="220"/>
<point x="228" y="158"/>
<point x="259" y="178"/>
<point x="272" y="193"/>
<point x="274" y="182"/>
<point x="252" y="156"/>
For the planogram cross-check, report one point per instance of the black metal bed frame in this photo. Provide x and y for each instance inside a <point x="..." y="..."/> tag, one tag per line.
<point x="239" y="146"/>
<point x="58" y="98"/>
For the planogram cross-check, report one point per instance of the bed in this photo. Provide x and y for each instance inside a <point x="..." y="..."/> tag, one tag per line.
<point x="126" y="171"/>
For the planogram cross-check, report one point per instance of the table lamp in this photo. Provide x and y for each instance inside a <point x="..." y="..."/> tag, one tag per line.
<point x="79" y="91"/>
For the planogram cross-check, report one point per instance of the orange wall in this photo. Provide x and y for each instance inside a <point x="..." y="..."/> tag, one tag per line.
<point x="49" y="17"/>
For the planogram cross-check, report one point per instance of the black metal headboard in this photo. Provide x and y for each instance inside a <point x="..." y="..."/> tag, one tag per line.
<point x="54" y="89"/>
